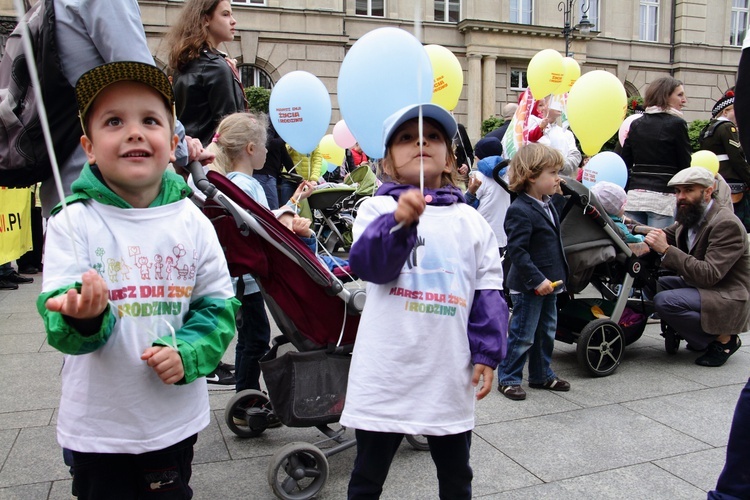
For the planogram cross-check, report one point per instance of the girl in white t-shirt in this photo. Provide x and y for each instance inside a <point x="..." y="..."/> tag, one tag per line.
<point x="435" y="321"/>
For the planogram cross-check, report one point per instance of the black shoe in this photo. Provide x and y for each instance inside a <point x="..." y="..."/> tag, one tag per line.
<point x="7" y="285"/>
<point x="221" y="376"/>
<point x="717" y="353"/>
<point x="28" y="270"/>
<point x="14" y="277"/>
<point x="227" y="366"/>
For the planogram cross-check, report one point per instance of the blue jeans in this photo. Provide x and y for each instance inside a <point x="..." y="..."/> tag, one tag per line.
<point x="268" y="182"/>
<point x="286" y="190"/>
<point x="734" y="481"/>
<point x="531" y="334"/>
<point x="375" y="452"/>
<point x="651" y="219"/>
<point x="253" y="335"/>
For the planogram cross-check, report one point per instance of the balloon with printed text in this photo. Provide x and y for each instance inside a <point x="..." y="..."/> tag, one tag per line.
<point x="385" y="70"/>
<point x="448" y="77"/>
<point x="545" y="73"/>
<point x="571" y="73"/>
<point x="605" y="166"/>
<point x="300" y="110"/>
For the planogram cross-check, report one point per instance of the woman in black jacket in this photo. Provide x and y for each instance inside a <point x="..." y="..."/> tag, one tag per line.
<point x="206" y="83"/>
<point x="657" y="147"/>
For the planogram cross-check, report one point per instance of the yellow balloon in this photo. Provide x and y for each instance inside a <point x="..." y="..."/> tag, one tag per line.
<point x="705" y="159"/>
<point x="571" y="74"/>
<point x="596" y="109"/>
<point x="545" y="73"/>
<point x="448" y="76"/>
<point x="331" y="152"/>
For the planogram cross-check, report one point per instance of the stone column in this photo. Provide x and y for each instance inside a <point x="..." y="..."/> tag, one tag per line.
<point x="474" y="125"/>
<point x="488" y="87"/>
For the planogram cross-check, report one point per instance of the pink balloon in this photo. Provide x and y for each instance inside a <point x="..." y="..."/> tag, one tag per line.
<point x="625" y="127"/>
<point x="341" y="135"/>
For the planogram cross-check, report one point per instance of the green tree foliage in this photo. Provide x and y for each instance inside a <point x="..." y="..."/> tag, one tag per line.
<point x="257" y="98"/>
<point x="694" y="131"/>
<point x="491" y="124"/>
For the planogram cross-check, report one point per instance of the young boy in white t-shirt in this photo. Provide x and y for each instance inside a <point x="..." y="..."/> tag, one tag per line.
<point x="136" y="293"/>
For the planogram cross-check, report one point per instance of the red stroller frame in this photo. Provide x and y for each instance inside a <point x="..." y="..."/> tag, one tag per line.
<point x="309" y="304"/>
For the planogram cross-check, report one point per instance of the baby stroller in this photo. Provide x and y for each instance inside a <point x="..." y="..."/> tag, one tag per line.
<point x="598" y="255"/>
<point x="315" y="313"/>
<point x="335" y="206"/>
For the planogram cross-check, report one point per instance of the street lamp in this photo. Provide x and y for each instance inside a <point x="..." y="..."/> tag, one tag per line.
<point x="566" y="7"/>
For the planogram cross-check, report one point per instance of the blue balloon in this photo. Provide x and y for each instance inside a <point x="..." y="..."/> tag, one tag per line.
<point x="300" y="110"/>
<point x="606" y="166"/>
<point x="328" y="166"/>
<point x="384" y="71"/>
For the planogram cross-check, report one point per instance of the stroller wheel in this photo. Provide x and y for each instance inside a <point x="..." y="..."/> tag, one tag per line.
<point x="246" y="414"/>
<point x="600" y="347"/>
<point x="671" y="340"/>
<point x="418" y="442"/>
<point x="297" y="471"/>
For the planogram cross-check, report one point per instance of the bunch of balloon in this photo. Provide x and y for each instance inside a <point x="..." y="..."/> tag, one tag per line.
<point x="448" y="77"/>
<point x="596" y="108"/>
<point x="330" y="151"/>
<point x="545" y="73"/>
<point x="300" y="110"/>
<point x="385" y="70"/>
<point x="342" y="135"/>
<point x="606" y="166"/>
<point x="705" y="159"/>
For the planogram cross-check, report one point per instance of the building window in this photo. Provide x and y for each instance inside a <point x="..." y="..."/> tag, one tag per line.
<point x="518" y="80"/>
<point x="374" y="8"/>
<point x="740" y="13"/>
<point x="592" y="13"/>
<point x="249" y="2"/>
<point x="252" y="76"/>
<point x="521" y="11"/>
<point x="649" y="20"/>
<point x="447" y="11"/>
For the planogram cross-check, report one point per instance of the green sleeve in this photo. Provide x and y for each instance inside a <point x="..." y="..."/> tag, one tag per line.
<point x="204" y="337"/>
<point x="66" y="339"/>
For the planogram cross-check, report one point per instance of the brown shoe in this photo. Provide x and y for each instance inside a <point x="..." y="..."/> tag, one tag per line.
<point x="556" y="384"/>
<point x="514" y="392"/>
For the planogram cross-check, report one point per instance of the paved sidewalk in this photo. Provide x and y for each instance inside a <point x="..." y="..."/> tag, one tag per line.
<point x="655" y="429"/>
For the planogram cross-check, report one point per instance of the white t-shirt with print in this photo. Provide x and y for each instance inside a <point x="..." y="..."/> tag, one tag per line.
<point x="411" y="368"/>
<point x="155" y="262"/>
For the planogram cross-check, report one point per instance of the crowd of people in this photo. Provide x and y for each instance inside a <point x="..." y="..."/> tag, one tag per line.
<point x="485" y="229"/>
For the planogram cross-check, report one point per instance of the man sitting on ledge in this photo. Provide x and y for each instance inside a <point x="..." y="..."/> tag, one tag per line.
<point x="708" y="302"/>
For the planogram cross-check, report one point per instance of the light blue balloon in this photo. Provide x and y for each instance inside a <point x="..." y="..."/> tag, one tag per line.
<point x="328" y="166"/>
<point x="606" y="166"/>
<point x="384" y="71"/>
<point x="300" y="110"/>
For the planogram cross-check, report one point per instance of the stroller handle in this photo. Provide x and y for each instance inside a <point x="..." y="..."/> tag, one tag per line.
<point x="199" y="178"/>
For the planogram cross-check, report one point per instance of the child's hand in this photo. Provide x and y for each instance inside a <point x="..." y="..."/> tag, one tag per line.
<point x="166" y="362"/>
<point x="304" y="190"/>
<point x="545" y="288"/>
<point x="411" y="204"/>
<point x="88" y="304"/>
<point x="474" y="184"/>
<point x="486" y="373"/>
<point x="301" y="226"/>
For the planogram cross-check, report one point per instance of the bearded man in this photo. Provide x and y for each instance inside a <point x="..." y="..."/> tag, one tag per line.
<point x="708" y="302"/>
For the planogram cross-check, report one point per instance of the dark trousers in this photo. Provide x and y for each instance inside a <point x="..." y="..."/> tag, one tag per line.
<point x="162" y="474"/>
<point x="679" y="304"/>
<point x="253" y="335"/>
<point x="375" y="452"/>
<point x="734" y="481"/>
<point x="33" y="258"/>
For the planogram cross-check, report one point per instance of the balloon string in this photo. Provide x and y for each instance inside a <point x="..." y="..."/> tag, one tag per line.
<point x="36" y="88"/>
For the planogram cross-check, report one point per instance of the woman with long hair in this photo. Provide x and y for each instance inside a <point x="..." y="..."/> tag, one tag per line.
<point x="657" y="147"/>
<point x="206" y="83"/>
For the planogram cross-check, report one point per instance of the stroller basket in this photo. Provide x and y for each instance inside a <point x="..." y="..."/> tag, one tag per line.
<point x="306" y="388"/>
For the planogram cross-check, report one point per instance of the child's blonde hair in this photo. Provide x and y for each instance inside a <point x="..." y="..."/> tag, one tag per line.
<point x="529" y="163"/>
<point x="233" y="135"/>
<point x="446" y="178"/>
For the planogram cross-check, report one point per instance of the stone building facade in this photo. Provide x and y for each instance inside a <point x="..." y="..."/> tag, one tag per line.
<point x="696" y="41"/>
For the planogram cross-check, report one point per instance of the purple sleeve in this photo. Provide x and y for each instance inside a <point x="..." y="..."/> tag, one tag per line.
<point x="378" y="255"/>
<point x="488" y="327"/>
